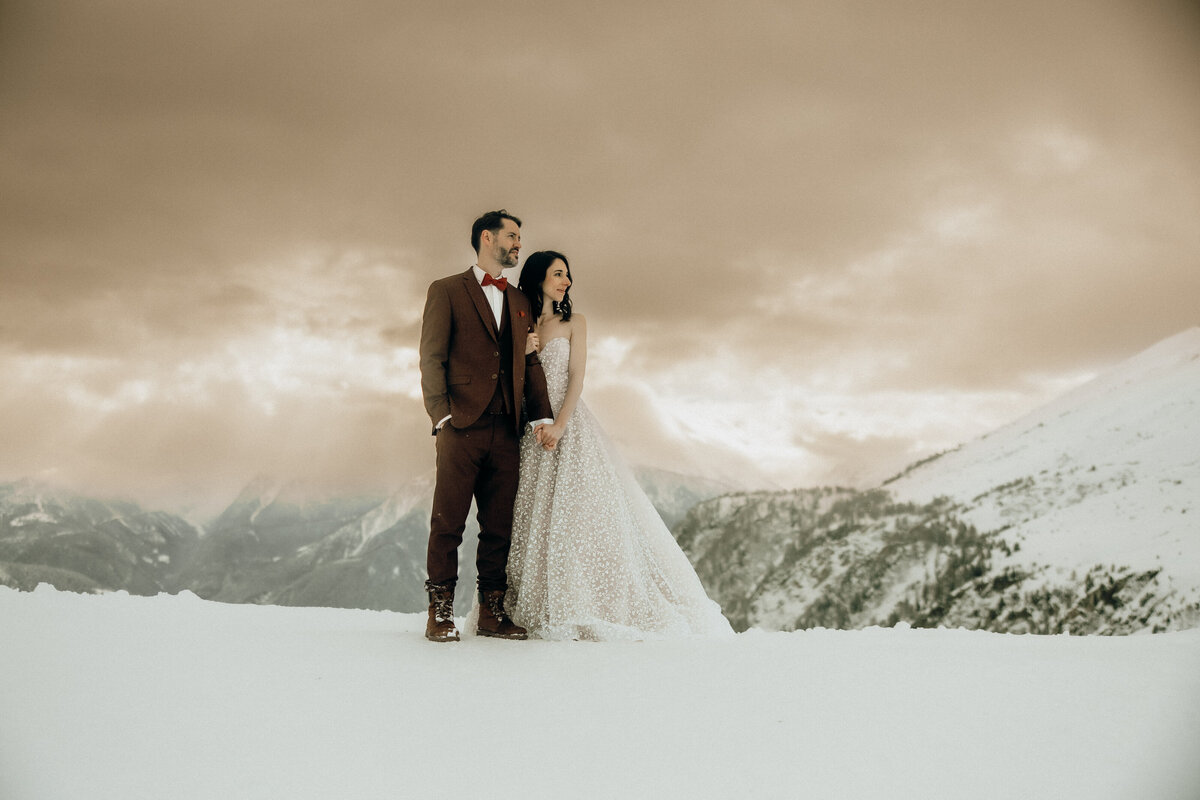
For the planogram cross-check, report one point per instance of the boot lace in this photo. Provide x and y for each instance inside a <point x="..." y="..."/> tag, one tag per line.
<point x="443" y="608"/>
<point x="495" y="604"/>
<point x="442" y="600"/>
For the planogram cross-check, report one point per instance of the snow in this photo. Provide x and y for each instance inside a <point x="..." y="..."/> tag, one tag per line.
<point x="268" y="490"/>
<point x="114" y="696"/>
<point x="36" y="516"/>
<point x="1109" y="473"/>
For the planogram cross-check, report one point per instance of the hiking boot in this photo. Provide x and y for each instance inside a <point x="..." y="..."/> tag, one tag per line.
<point x="440" y="627"/>
<point x="494" y="620"/>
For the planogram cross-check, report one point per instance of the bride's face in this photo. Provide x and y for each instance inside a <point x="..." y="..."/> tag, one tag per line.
<point x="556" y="283"/>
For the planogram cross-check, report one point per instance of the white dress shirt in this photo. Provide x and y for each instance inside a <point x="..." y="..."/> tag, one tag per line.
<point x="494" y="296"/>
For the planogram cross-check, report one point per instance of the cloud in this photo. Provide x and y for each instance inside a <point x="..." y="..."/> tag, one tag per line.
<point x="224" y="218"/>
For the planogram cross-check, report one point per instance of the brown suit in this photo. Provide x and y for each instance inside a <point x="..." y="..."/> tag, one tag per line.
<point x="478" y="375"/>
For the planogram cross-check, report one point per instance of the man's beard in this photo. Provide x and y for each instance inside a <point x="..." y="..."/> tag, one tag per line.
<point x="506" y="257"/>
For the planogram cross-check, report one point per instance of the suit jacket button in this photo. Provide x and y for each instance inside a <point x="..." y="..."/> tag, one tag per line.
<point x="496" y="354"/>
<point x="494" y="376"/>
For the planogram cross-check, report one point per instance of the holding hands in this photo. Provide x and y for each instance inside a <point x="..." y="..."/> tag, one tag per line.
<point x="548" y="435"/>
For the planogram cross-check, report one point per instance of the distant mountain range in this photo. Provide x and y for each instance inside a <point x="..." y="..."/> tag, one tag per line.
<point x="1083" y="516"/>
<point x="279" y="542"/>
<point x="86" y="545"/>
<point x="283" y="543"/>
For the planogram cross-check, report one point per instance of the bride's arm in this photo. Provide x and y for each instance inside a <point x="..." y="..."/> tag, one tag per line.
<point x="575" y="370"/>
<point x="575" y="367"/>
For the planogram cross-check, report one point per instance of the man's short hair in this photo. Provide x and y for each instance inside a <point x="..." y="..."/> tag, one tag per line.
<point x="491" y="221"/>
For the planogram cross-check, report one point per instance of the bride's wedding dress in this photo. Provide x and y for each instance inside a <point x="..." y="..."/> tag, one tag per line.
<point x="590" y="557"/>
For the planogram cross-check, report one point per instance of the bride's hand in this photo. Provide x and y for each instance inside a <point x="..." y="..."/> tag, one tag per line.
<point x="548" y="435"/>
<point x="531" y="343"/>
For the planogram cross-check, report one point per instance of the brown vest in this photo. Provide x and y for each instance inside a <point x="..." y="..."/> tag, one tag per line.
<point x="502" y="400"/>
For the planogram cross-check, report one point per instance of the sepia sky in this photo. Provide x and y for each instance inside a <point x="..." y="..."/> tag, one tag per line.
<point x="814" y="241"/>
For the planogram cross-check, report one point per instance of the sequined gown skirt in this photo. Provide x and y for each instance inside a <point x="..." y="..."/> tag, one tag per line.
<point x="590" y="556"/>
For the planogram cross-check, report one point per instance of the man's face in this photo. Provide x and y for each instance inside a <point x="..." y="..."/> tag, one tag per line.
<point x="506" y="244"/>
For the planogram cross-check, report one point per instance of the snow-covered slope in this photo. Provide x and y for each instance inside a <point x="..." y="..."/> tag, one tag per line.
<point x="1107" y="474"/>
<point x="115" y="697"/>
<point x="1083" y="516"/>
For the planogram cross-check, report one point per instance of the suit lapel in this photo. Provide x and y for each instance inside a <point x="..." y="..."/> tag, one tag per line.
<point x="475" y="291"/>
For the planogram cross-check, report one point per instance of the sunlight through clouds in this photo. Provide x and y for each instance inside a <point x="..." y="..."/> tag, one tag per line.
<point x="811" y="243"/>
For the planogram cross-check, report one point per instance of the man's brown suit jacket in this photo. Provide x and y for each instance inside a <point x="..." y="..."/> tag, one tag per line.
<point x="461" y="358"/>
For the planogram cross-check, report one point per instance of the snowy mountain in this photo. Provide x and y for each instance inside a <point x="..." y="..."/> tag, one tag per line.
<point x="834" y="558"/>
<point x="286" y="543"/>
<point x="1108" y="473"/>
<point x="1082" y="516"/>
<point x="279" y="542"/>
<point x="87" y="545"/>
<point x="673" y="494"/>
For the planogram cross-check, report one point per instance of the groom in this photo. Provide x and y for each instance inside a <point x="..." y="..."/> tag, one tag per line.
<point x="474" y="374"/>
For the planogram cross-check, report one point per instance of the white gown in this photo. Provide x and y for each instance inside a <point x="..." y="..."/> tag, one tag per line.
<point x="591" y="558"/>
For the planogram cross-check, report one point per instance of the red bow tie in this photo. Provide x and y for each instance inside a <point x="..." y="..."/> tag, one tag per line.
<point x="499" y="283"/>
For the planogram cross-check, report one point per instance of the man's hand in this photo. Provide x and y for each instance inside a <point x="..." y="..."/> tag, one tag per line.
<point x="548" y="435"/>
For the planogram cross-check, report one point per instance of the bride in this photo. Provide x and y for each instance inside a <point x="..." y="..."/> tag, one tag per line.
<point x="590" y="556"/>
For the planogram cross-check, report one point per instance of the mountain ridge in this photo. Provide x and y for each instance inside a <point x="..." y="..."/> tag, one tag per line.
<point x="279" y="541"/>
<point x="1083" y="515"/>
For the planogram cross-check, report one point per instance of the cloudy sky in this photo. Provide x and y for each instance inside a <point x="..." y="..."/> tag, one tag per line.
<point x="814" y="240"/>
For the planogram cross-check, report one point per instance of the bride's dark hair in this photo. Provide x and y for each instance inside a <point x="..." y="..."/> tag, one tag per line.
<point x="533" y="275"/>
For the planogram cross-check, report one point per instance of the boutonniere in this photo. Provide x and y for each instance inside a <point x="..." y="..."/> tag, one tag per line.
<point x="521" y="314"/>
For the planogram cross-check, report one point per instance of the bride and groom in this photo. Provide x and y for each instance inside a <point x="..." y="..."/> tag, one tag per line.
<point x="570" y="547"/>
